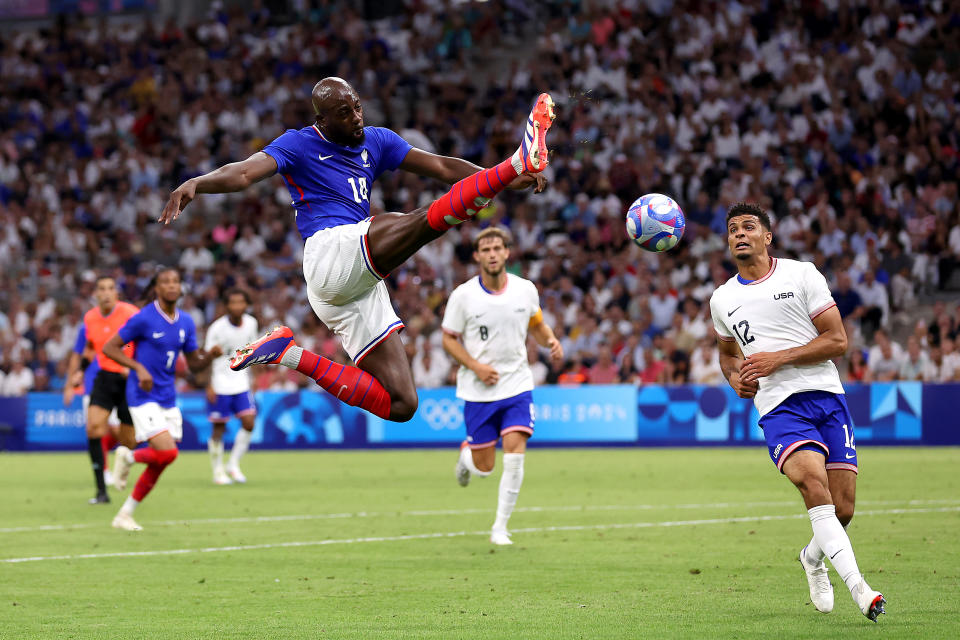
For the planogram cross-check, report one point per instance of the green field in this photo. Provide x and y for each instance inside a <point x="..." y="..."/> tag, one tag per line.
<point x="623" y="543"/>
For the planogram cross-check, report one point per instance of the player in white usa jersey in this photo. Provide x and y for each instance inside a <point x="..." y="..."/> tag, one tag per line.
<point x="780" y="315"/>
<point x="492" y="314"/>
<point x="228" y="393"/>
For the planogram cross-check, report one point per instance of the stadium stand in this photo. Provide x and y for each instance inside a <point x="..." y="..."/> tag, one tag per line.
<point x="842" y="121"/>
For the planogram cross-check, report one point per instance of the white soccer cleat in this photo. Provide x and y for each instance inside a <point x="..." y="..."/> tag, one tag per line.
<point x="821" y="591"/>
<point x="871" y="602"/>
<point x="501" y="538"/>
<point x="220" y="477"/>
<point x="126" y="522"/>
<point x="236" y="475"/>
<point x="122" y="462"/>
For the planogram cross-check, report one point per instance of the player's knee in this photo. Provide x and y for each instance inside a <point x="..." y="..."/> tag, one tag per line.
<point x="844" y="513"/>
<point x="484" y="465"/>
<point x="813" y="487"/>
<point x="403" y="407"/>
<point x="166" y="457"/>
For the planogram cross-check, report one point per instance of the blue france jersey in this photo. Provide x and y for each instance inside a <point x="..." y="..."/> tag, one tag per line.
<point x="329" y="183"/>
<point x="91" y="371"/>
<point x="159" y="339"/>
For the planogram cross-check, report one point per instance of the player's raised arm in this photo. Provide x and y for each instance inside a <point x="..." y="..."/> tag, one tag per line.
<point x="229" y="178"/>
<point x="451" y="170"/>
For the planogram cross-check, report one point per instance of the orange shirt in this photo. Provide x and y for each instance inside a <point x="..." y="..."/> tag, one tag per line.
<point x="101" y="328"/>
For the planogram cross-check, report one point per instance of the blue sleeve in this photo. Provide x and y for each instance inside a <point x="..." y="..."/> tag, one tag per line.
<point x="393" y="149"/>
<point x="285" y="150"/>
<point x="81" y="342"/>
<point x="190" y="344"/>
<point x="133" y="329"/>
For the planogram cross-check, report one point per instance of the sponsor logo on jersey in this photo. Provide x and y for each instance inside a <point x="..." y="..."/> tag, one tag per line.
<point x="157" y="334"/>
<point x="782" y="296"/>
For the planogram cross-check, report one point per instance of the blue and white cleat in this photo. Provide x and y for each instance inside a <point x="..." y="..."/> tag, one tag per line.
<point x="531" y="157"/>
<point x="267" y="349"/>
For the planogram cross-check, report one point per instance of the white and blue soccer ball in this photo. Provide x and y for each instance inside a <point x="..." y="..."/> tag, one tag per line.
<point x="655" y="222"/>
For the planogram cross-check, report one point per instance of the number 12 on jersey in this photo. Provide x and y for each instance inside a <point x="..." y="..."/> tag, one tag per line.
<point x="359" y="186"/>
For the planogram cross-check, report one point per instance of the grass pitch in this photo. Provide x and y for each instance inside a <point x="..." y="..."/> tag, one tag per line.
<point x="623" y="543"/>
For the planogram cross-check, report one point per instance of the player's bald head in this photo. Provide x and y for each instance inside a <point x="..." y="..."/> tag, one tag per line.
<point x="329" y="91"/>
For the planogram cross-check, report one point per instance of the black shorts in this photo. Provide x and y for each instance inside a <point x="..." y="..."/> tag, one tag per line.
<point x="110" y="392"/>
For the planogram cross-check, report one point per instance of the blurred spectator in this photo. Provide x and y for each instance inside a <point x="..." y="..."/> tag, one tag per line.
<point x="18" y="380"/>
<point x="916" y="365"/>
<point x="604" y="370"/>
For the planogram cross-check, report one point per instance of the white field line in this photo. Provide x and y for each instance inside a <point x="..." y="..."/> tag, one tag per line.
<point x="458" y="512"/>
<point x="459" y="534"/>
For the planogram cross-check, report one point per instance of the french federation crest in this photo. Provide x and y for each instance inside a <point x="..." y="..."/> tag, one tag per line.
<point x="363" y="157"/>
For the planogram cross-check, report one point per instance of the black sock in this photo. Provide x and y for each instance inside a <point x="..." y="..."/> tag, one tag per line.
<point x="96" y="460"/>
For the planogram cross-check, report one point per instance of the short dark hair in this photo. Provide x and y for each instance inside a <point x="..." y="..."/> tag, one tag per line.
<point x="749" y="209"/>
<point x="493" y="232"/>
<point x="237" y="291"/>
<point x="103" y="277"/>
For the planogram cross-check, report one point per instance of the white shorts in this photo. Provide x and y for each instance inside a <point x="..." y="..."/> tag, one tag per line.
<point x="112" y="419"/>
<point x="345" y="289"/>
<point x="150" y="419"/>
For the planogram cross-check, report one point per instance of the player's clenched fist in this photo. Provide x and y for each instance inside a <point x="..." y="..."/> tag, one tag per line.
<point x="487" y="374"/>
<point x="744" y="388"/>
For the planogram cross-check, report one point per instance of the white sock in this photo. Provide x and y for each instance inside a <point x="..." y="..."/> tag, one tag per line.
<point x="215" y="449"/>
<point x="466" y="457"/>
<point x="813" y="552"/>
<point x="510" y="482"/>
<point x="240" y="446"/>
<point x="833" y="540"/>
<point x="292" y="357"/>
<point x="129" y="506"/>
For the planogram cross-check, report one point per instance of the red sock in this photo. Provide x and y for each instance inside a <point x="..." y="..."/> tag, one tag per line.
<point x="349" y="385"/>
<point x="459" y="204"/>
<point x="146" y="481"/>
<point x="151" y="474"/>
<point x="149" y="455"/>
<point x="108" y="442"/>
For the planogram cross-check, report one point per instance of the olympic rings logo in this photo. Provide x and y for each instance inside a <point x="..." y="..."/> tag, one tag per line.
<point x="442" y="414"/>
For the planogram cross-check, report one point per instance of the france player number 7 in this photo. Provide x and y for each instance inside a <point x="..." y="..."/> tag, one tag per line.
<point x="359" y="186"/>
<point x="170" y="356"/>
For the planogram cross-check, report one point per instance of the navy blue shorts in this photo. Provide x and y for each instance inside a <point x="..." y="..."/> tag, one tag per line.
<point x="814" y="420"/>
<point x="487" y="422"/>
<point x="224" y="407"/>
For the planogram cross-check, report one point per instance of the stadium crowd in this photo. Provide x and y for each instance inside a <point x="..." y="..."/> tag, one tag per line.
<point x="842" y="121"/>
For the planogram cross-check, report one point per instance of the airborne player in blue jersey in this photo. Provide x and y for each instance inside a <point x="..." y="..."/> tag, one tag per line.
<point x="329" y="168"/>
<point x="160" y="333"/>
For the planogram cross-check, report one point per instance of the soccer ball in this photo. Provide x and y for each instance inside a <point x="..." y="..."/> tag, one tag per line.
<point x="655" y="222"/>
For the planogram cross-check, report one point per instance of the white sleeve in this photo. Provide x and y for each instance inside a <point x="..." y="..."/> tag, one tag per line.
<point x="534" y="300"/>
<point x="816" y="291"/>
<point x="211" y="337"/>
<point x="718" y="326"/>
<point x="454" y="320"/>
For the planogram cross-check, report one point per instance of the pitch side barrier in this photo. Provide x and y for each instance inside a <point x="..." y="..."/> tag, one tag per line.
<point x="898" y="413"/>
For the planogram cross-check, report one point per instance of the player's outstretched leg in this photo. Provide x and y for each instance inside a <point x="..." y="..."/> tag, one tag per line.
<point x="156" y="460"/>
<point x="348" y="384"/>
<point x="473" y="193"/>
